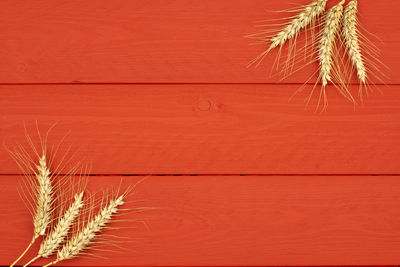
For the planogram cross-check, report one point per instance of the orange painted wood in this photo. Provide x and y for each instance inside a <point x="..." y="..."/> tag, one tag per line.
<point x="241" y="221"/>
<point x="207" y="129"/>
<point x="181" y="41"/>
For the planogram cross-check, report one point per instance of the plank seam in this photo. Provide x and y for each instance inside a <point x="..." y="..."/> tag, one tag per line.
<point x="208" y="174"/>
<point x="180" y="83"/>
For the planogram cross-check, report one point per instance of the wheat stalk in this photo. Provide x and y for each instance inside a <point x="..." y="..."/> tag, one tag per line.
<point x="352" y="41"/>
<point x="327" y="41"/>
<point x="44" y="193"/>
<point x="302" y="20"/>
<point x="82" y="239"/>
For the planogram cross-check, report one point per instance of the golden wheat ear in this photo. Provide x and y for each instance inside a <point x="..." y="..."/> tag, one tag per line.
<point x="39" y="183"/>
<point x="362" y="53"/>
<point x="352" y="41"/>
<point x="44" y="200"/>
<point x="327" y="42"/>
<point x="306" y="15"/>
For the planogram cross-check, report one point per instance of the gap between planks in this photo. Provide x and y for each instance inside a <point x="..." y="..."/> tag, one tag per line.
<point x="210" y="174"/>
<point x="184" y="83"/>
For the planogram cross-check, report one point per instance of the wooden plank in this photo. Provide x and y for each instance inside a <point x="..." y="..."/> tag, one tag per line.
<point x="154" y="41"/>
<point x="241" y="221"/>
<point x="206" y="129"/>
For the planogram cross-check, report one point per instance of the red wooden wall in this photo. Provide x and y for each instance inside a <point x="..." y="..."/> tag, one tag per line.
<point x="241" y="176"/>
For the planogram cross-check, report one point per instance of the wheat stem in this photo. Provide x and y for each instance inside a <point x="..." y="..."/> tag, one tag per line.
<point x="51" y="263"/>
<point x="24" y="252"/>
<point x="32" y="260"/>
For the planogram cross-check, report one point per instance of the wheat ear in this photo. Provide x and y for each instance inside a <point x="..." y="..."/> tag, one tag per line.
<point x="327" y="42"/>
<point x="44" y="202"/>
<point x="82" y="239"/>
<point x="59" y="233"/>
<point x="352" y="41"/>
<point x="45" y="199"/>
<point x="302" y="20"/>
<point x="307" y="15"/>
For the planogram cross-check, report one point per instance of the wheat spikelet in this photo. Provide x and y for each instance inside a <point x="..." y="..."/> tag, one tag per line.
<point x="327" y="41"/>
<point x="82" y="239"/>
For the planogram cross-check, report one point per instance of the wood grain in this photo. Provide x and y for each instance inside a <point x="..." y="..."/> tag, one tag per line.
<point x="206" y="129"/>
<point x="156" y="41"/>
<point x="245" y="177"/>
<point x="237" y="221"/>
